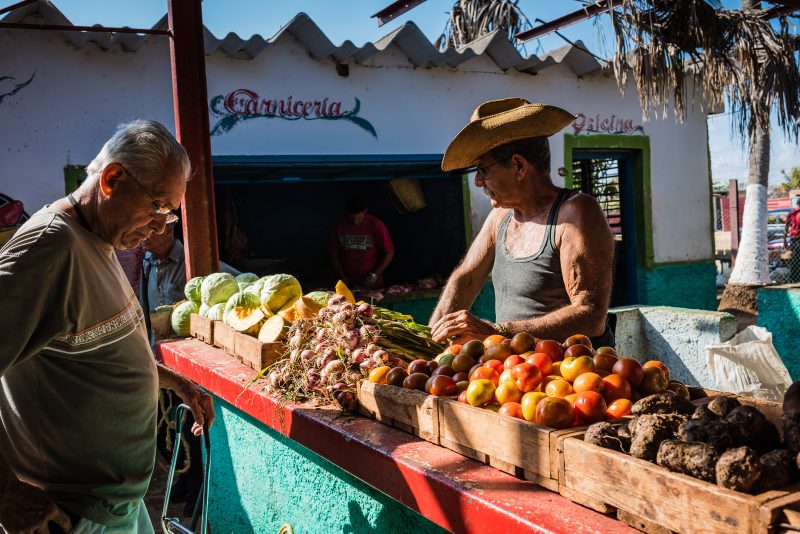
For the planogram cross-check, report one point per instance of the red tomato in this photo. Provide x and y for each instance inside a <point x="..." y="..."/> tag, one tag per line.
<point x="486" y="373"/>
<point x="660" y="365"/>
<point x="575" y="351"/>
<point x="462" y="397"/>
<point x="619" y="408"/>
<point x="494" y="339"/>
<point x="454" y="349"/>
<point x="552" y="348"/>
<point x="526" y="376"/>
<point x="554" y="412"/>
<point x="513" y="360"/>
<point x="542" y="361"/>
<point x="630" y="370"/>
<point x="577" y="339"/>
<point x="615" y="387"/>
<point x="511" y="409"/>
<point x="590" y="407"/>
<point x="497" y="365"/>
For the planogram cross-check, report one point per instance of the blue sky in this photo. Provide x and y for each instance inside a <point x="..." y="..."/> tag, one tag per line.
<point x="350" y="19"/>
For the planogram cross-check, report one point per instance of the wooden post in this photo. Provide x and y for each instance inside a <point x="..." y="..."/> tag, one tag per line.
<point x="188" y="61"/>
<point x="733" y="217"/>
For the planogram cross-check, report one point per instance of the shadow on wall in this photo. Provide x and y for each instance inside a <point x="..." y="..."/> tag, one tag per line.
<point x="226" y="513"/>
<point x="779" y="312"/>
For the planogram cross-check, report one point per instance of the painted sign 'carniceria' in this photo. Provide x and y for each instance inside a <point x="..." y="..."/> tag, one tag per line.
<point x="245" y="104"/>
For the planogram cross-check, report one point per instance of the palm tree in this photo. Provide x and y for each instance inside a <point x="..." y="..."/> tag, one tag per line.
<point x="735" y="55"/>
<point x="472" y="19"/>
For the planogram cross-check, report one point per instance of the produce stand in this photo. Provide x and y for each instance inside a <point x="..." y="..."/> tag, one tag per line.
<point x="452" y="492"/>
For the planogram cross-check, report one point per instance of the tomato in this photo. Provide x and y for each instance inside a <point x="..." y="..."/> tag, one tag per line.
<point x="494" y="339"/>
<point x="557" y="368"/>
<point x="462" y="397"/>
<point x="526" y="376"/>
<point x="619" y="408"/>
<point x="549" y="378"/>
<point x="507" y="392"/>
<point x="480" y="391"/>
<point x="513" y="360"/>
<point x="443" y="370"/>
<point x="522" y="342"/>
<point x="615" y="387"/>
<point x="572" y="368"/>
<point x="577" y="339"/>
<point x="493" y="406"/>
<point x="552" y="348"/>
<point x="554" y="412"/>
<point x="590" y="407"/>
<point x="588" y="382"/>
<point x="660" y="365"/>
<point x="505" y="376"/>
<point x="542" y="361"/>
<point x="419" y="366"/>
<point x="455" y="348"/>
<point x="576" y="351"/>
<point x="571" y="399"/>
<point x="486" y="373"/>
<point x="511" y="409"/>
<point x="653" y="382"/>
<point x="558" y="388"/>
<point x="497" y="365"/>
<point x="607" y="350"/>
<point x="379" y="375"/>
<point x="630" y="370"/>
<point x="529" y="402"/>
<point x="499" y="351"/>
<point x="443" y="386"/>
<point x="604" y="360"/>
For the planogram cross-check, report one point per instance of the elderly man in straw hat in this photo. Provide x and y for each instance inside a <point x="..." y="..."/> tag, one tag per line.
<point x="549" y="250"/>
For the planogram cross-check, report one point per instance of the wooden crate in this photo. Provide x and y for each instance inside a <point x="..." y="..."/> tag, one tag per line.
<point x="255" y="353"/>
<point x="514" y="446"/>
<point x="202" y="328"/>
<point x="409" y="410"/>
<point x="656" y="500"/>
<point x="225" y="338"/>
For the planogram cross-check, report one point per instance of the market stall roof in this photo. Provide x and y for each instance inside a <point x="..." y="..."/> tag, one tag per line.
<point x="408" y="38"/>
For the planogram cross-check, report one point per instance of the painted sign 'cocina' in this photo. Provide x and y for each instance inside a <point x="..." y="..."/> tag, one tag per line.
<point x="244" y="104"/>
<point x="611" y="125"/>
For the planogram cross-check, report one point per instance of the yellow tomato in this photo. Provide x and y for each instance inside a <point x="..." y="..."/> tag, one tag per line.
<point x="378" y="375"/>
<point x="507" y="392"/>
<point x="480" y="391"/>
<point x="529" y="402"/>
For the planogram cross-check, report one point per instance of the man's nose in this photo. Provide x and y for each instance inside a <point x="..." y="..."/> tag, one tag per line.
<point x="159" y="225"/>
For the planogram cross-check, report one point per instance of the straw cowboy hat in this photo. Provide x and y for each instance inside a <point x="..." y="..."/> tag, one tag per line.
<point x="498" y="122"/>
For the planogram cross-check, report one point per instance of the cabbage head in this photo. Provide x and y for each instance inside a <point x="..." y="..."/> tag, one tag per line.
<point x="181" y="316"/>
<point x="204" y="310"/>
<point x="320" y="297"/>
<point x="218" y="287"/>
<point x="279" y="290"/>
<point x="192" y="289"/>
<point x="242" y="300"/>
<point x="215" y="312"/>
<point x="247" y="278"/>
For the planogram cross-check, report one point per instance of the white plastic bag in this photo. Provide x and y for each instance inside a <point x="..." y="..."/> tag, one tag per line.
<point x="749" y="365"/>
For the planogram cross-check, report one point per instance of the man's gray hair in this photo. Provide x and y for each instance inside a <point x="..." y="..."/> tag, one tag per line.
<point x="535" y="149"/>
<point x="144" y="147"/>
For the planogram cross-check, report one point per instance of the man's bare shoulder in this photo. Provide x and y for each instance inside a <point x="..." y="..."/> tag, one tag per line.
<point x="580" y="207"/>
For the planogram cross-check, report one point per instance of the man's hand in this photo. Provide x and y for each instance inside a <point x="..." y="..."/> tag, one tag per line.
<point x="462" y="326"/>
<point x="201" y="404"/>
<point x="26" y="509"/>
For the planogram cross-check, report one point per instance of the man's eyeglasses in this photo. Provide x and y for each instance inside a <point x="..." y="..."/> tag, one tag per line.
<point x="483" y="169"/>
<point x="158" y="209"/>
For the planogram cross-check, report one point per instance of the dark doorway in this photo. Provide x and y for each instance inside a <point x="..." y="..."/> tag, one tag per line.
<point x="609" y="177"/>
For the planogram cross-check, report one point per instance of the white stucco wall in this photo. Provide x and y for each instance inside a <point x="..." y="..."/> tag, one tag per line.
<point x="78" y="96"/>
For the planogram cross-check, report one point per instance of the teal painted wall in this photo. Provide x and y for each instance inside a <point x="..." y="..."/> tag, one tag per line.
<point x="684" y="285"/>
<point x="260" y="479"/>
<point x="421" y="310"/>
<point x="779" y="312"/>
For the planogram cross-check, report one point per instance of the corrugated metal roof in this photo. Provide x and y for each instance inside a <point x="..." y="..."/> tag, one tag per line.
<point x="408" y="38"/>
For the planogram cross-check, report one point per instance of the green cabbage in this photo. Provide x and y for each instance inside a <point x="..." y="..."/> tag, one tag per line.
<point x="320" y="297"/>
<point x="242" y="300"/>
<point x="247" y="278"/>
<point x="279" y="290"/>
<point x="204" y="310"/>
<point x="255" y="287"/>
<point x="215" y="312"/>
<point x="192" y="289"/>
<point x="243" y="313"/>
<point x="218" y="287"/>
<point x="181" y="316"/>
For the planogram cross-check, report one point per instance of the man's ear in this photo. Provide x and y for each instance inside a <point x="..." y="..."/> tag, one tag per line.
<point x="110" y="178"/>
<point x="520" y="166"/>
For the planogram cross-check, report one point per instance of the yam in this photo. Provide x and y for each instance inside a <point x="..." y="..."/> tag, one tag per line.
<point x="603" y="435"/>
<point x="791" y="400"/>
<point x="274" y="330"/>
<point x="775" y="470"/>
<point x="750" y="428"/>
<point x="663" y="403"/>
<point x="738" y="469"/>
<point x="702" y="413"/>
<point x="698" y="460"/>
<point x="649" y="430"/>
<point x="714" y="432"/>
<point x="722" y="405"/>
<point x="624" y="435"/>
<point x="696" y="393"/>
<point x="791" y="433"/>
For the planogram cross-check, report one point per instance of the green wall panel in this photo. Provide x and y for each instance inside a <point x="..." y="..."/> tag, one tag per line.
<point x="779" y="312"/>
<point x="260" y="479"/>
<point x="684" y="285"/>
<point x="422" y="309"/>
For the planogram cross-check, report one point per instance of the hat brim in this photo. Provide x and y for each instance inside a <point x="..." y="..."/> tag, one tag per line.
<point x="480" y="136"/>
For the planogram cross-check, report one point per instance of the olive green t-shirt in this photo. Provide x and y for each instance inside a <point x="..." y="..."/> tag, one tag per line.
<point x="79" y="383"/>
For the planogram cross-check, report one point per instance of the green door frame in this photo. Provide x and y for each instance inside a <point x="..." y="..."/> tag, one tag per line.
<point x="640" y="147"/>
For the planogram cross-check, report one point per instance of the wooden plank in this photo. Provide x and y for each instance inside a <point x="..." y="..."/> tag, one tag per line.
<point x="202" y="328"/>
<point x="255" y="353"/>
<point x="465" y="451"/>
<point x="674" y="501"/>
<point x="224" y="337"/>
<point x="640" y="523"/>
<point x="502" y="439"/>
<point x="408" y="409"/>
<point x="594" y="503"/>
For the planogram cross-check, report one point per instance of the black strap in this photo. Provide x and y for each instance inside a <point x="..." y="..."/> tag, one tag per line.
<point x="145" y="298"/>
<point x="81" y="218"/>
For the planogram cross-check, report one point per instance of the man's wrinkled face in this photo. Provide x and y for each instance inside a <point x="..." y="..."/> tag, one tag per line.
<point x="494" y="177"/>
<point x="160" y="244"/>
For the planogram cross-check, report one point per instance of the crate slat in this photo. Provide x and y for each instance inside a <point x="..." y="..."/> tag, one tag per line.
<point x="409" y="410"/>
<point x="202" y="328"/>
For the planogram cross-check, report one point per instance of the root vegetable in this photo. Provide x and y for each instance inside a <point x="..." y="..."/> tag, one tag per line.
<point x="751" y="428"/>
<point x="722" y="405"/>
<point x="738" y="469"/>
<point x="603" y="435"/>
<point x="791" y="401"/>
<point x="364" y="310"/>
<point x="791" y="433"/>
<point x="359" y="355"/>
<point x="703" y="413"/>
<point x="336" y="300"/>
<point x="715" y="432"/>
<point x="346" y="400"/>
<point x="663" y="403"/>
<point x="352" y="338"/>
<point x="694" y="459"/>
<point x="624" y="435"/>
<point x="365" y="367"/>
<point x="776" y="469"/>
<point x="649" y="430"/>
<point x="332" y="370"/>
<point x="307" y="354"/>
<point x="312" y="379"/>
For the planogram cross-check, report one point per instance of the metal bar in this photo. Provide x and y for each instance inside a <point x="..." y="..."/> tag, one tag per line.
<point x="96" y="29"/>
<point x="733" y="217"/>
<point x="570" y="18"/>
<point x="18" y="5"/>
<point x="190" y="95"/>
<point x="394" y="10"/>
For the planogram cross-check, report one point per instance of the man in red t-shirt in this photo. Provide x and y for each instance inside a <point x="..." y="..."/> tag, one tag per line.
<point x="361" y="247"/>
<point x="792" y="232"/>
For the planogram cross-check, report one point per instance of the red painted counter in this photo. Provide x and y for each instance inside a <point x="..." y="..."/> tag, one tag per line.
<point x="455" y="492"/>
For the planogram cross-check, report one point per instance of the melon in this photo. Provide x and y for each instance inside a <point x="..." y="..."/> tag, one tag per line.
<point x="218" y="287"/>
<point x="255" y="287"/>
<point x="192" y="289"/>
<point x="243" y="313"/>
<point x="215" y="312"/>
<point x="279" y="290"/>
<point x="181" y="317"/>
